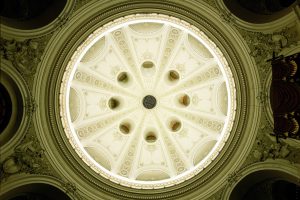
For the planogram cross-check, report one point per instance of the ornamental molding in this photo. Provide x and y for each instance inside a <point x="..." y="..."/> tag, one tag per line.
<point x="24" y="55"/>
<point x="261" y="48"/>
<point x="28" y="157"/>
<point x="26" y="100"/>
<point x="262" y="45"/>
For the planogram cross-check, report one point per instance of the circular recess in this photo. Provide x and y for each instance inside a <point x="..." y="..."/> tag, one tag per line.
<point x="113" y="103"/>
<point x="175" y="125"/>
<point x="184" y="100"/>
<point x="123" y="78"/>
<point x="148" y="65"/>
<point x="157" y="51"/>
<point x="150" y="137"/>
<point x="148" y="68"/>
<point x="125" y="127"/>
<point x="173" y="76"/>
<point x="149" y="102"/>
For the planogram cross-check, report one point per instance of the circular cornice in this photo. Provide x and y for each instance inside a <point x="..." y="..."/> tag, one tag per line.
<point x="88" y="19"/>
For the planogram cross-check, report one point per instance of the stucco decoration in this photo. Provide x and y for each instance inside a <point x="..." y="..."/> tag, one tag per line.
<point x="262" y="45"/>
<point x="153" y="100"/>
<point x="28" y="157"/>
<point x="261" y="48"/>
<point x="25" y="55"/>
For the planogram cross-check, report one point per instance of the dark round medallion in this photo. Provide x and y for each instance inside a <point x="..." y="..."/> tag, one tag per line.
<point x="149" y="102"/>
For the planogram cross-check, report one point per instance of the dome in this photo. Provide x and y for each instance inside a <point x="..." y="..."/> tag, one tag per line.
<point x="148" y="101"/>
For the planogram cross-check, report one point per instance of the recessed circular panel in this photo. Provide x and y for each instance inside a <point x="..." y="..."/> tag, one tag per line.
<point x="175" y="72"/>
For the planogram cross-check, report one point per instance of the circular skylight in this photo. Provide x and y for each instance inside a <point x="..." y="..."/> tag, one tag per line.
<point x="148" y="101"/>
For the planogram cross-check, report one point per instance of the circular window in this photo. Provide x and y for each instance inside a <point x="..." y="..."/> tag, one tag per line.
<point x="175" y="73"/>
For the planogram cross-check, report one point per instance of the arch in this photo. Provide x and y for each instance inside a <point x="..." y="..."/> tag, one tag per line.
<point x="45" y="187"/>
<point x="33" y="18"/>
<point x="261" y="172"/>
<point x="259" y="11"/>
<point x="31" y="14"/>
<point x="20" y="97"/>
<point x="266" y="25"/>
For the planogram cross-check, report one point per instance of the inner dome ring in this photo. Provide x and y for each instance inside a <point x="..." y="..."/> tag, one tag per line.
<point x="138" y="80"/>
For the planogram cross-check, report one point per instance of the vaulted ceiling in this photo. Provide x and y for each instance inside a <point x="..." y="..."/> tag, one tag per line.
<point x="142" y="100"/>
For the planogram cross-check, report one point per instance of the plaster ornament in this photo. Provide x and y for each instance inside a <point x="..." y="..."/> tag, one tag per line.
<point x="25" y="55"/>
<point x="11" y="166"/>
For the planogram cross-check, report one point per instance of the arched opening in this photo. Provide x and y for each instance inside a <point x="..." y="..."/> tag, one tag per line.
<point x="35" y="191"/>
<point x="260" y="11"/>
<point x="266" y="185"/>
<point x="30" y="14"/>
<point x="11" y="108"/>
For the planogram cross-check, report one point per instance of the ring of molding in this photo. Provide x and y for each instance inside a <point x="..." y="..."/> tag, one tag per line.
<point x="60" y="51"/>
<point x="9" y="146"/>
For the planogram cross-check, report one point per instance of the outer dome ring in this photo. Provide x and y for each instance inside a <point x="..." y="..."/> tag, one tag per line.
<point x="87" y="19"/>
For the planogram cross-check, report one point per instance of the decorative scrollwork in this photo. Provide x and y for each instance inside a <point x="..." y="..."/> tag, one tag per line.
<point x="25" y="55"/>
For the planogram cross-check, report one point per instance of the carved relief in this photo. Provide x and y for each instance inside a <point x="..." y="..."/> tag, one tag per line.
<point x="30" y="105"/>
<point x="25" y="55"/>
<point x="265" y="148"/>
<point x="28" y="157"/>
<point x="263" y="45"/>
<point x="227" y="17"/>
<point x="233" y="178"/>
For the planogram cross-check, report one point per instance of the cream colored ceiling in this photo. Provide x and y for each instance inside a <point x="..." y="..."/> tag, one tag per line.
<point x="118" y="136"/>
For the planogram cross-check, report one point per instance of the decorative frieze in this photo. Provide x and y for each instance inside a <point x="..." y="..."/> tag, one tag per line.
<point x="263" y="45"/>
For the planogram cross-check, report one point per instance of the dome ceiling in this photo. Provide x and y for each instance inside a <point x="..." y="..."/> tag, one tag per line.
<point x="148" y="101"/>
